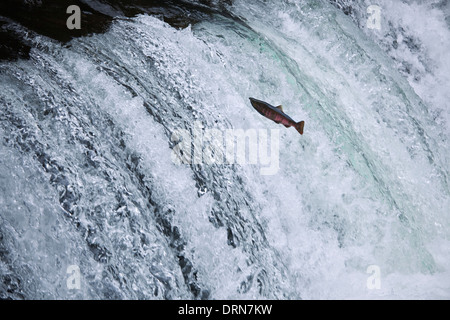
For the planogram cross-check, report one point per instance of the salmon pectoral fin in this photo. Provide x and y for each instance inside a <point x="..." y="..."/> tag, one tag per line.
<point x="299" y="126"/>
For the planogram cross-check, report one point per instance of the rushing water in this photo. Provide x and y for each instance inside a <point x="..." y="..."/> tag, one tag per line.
<point x="88" y="176"/>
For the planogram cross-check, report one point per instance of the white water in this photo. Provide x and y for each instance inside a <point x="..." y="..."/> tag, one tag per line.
<point x="88" y="178"/>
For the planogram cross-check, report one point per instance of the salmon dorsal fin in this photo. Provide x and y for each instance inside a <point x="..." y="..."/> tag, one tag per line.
<point x="280" y="107"/>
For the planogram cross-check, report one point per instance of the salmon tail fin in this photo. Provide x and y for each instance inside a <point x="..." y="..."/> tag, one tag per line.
<point x="299" y="126"/>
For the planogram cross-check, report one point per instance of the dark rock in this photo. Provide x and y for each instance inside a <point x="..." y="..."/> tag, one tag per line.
<point x="49" y="18"/>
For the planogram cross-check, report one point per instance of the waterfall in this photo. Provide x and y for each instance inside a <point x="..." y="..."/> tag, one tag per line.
<point x="92" y="175"/>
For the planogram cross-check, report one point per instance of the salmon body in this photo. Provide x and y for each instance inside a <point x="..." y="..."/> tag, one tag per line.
<point x="276" y="114"/>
